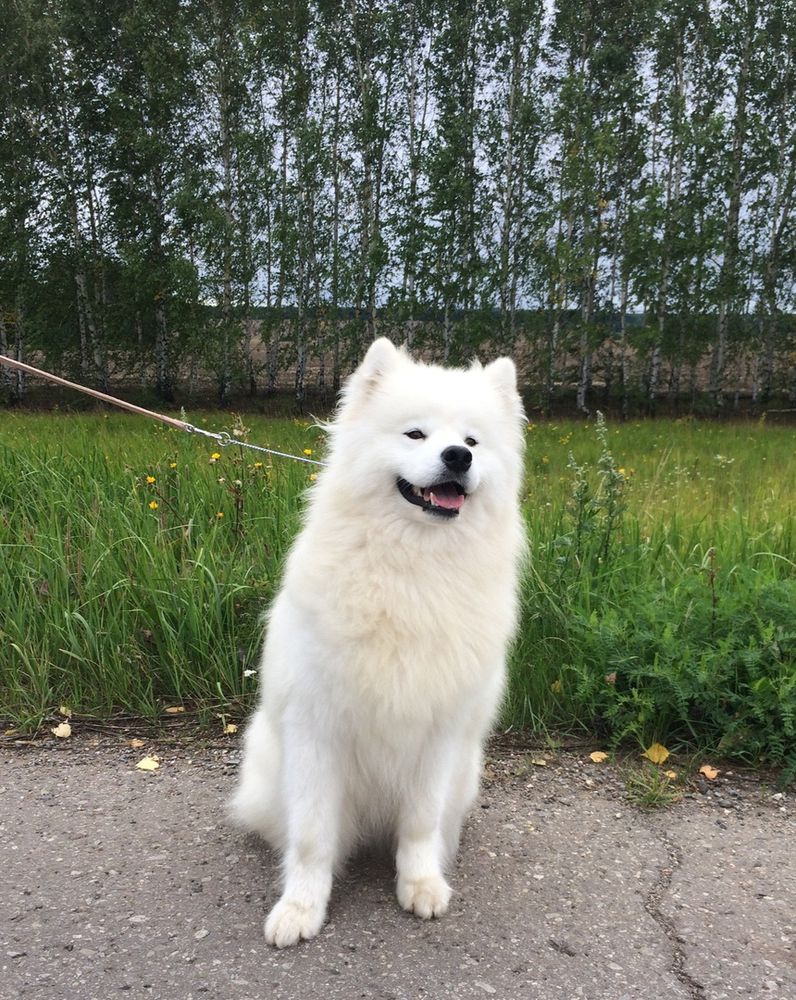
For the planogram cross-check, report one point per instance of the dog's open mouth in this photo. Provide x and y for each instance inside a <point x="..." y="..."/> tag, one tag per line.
<point x="444" y="499"/>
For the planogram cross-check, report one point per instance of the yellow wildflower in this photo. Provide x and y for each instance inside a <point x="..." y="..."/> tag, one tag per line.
<point x="258" y="465"/>
<point x="150" y="480"/>
<point x="215" y="456"/>
<point x="153" y="505"/>
<point x="172" y="465"/>
<point x="308" y="451"/>
<point x="545" y="460"/>
<point x="621" y="472"/>
<point x="313" y="476"/>
<point x="219" y="515"/>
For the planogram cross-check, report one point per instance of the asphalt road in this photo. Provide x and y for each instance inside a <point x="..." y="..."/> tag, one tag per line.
<point x="120" y="883"/>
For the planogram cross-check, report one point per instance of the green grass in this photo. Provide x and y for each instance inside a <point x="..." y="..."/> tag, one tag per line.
<point x="650" y="787"/>
<point x="106" y="602"/>
<point x="660" y="602"/>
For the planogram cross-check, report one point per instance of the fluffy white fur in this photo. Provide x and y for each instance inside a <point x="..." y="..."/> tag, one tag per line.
<point x="384" y="662"/>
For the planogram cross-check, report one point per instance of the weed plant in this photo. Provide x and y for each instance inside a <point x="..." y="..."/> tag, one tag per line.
<point x="679" y="627"/>
<point x="659" y="602"/>
<point x="136" y="563"/>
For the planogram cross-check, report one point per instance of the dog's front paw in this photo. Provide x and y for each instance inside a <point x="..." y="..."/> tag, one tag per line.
<point x="426" y="897"/>
<point x="290" y="921"/>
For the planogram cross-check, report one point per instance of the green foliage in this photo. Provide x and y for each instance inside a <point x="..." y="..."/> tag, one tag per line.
<point x="649" y="787"/>
<point x="110" y="601"/>
<point x="660" y="603"/>
<point x="688" y="670"/>
<point x="237" y="196"/>
<point x="657" y="627"/>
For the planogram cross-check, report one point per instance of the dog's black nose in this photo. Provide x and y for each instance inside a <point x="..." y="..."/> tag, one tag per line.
<point x="456" y="458"/>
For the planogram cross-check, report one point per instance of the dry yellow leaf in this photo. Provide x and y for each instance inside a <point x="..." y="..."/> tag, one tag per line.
<point x="175" y="710"/>
<point x="598" y="756"/>
<point x="711" y="773"/>
<point x="136" y="744"/>
<point x="66" y="711"/>
<point x="671" y="775"/>
<point x="657" y="753"/>
<point x="538" y="762"/>
<point x="148" y="764"/>
<point x="62" y="731"/>
<point x="230" y="728"/>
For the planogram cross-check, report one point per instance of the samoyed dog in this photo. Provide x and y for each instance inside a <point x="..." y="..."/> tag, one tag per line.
<point x="384" y="662"/>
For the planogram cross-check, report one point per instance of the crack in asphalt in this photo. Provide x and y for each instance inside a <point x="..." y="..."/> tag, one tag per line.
<point x="652" y="904"/>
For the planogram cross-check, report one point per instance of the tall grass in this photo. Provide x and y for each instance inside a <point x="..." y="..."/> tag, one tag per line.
<point x="134" y="565"/>
<point x="660" y="601"/>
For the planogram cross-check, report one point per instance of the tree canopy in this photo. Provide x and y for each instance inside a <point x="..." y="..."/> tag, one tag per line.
<point x="233" y="196"/>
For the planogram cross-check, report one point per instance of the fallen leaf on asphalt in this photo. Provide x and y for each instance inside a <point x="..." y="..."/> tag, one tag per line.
<point x="62" y="731"/>
<point x="230" y="728"/>
<point x="175" y="710"/>
<point x="65" y="710"/>
<point x="657" y="753"/>
<point x="148" y="764"/>
<point x="711" y="773"/>
<point x="598" y="756"/>
<point x="136" y="744"/>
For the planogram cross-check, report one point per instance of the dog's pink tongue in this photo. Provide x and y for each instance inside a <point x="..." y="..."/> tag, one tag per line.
<point x="446" y="495"/>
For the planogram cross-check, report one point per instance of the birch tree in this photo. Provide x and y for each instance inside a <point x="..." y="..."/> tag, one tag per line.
<point x="410" y="222"/>
<point x="230" y="175"/>
<point x="456" y="270"/>
<point x="512" y="141"/>
<point x="71" y="146"/>
<point x="739" y="26"/>
<point x="373" y="31"/>
<point x="151" y="93"/>
<point x="775" y="203"/>
<point x="23" y="90"/>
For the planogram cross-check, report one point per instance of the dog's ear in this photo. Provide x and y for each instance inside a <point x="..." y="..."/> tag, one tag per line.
<point x="503" y="376"/>
<point x="381" y="357"/>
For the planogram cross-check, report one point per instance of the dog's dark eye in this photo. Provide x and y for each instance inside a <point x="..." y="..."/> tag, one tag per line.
<point x="415" y="435"/>
<point x="470" y="442"/>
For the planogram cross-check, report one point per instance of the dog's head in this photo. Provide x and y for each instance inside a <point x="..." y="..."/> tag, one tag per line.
<point x="427" y="442"/>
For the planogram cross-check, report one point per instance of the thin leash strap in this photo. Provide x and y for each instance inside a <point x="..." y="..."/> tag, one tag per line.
<point x="222" y="438"/>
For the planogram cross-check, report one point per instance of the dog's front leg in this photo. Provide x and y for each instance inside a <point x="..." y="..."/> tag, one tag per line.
<point x="422" y="888"/>
<point x="312" y="802"/>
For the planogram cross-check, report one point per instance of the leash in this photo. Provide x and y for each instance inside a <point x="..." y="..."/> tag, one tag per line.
<point x="222" y="438"/>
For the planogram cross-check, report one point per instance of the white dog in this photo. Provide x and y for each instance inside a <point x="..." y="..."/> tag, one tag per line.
<point x="384" y="662"/>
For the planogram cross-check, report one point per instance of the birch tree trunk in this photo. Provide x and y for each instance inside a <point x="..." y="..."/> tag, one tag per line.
<point x="417" y="98"/>
<point x="783" y="138"/>
<point x="727" y="282"/>
<point x="6" y="374"/>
